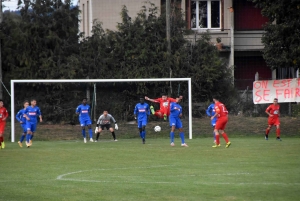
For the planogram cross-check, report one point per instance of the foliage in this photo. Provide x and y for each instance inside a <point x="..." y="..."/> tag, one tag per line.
<point x="282" y="36"/>
<point x="43" y="43"/>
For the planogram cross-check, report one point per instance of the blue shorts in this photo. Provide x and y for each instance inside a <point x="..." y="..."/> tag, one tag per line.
<point x="175" y="122"/>
<point x="142" y="123"/>
<point x="24" y="127"/>
<point x="85" y="122"/>
<point x="213" y="122"/>
<point x="31" y="126"/>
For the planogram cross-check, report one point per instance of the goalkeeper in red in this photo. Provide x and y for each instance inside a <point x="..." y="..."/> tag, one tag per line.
<point x="164" y="110"/>
<point x="273" y="112"/>
<point x="222" y="115"/>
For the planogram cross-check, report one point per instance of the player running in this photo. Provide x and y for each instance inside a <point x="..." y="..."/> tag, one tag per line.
<point x="20" y="116"/>
<point x="222" y="115"/>
<point x="83" y="111"/>
<point x="164" y="110"/>
<point x="273" y="112"/>
<point x="3" y="117"/>
<point x="104" y="122"/>
<point x="210" y="111"/>
<point x="175" y="122"/>
<point x="30" y="113"/>
<point x="141" y="113"/>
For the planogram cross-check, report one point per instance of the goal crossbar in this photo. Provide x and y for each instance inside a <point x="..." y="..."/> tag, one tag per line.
<point x="12" y="83"/>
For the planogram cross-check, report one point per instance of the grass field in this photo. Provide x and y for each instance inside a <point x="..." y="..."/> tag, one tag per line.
<point x="251" y="169"/>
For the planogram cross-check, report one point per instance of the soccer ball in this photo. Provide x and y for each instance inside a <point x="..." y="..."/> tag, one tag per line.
<point x="157" y="128"/>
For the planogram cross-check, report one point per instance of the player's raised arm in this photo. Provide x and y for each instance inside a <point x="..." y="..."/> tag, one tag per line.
<point x="151" y="100"/>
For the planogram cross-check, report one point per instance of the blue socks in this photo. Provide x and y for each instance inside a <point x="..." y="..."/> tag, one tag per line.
<point x="214" y="135"/>
<point x="28" y="138"/>
<point x="182" y="137"/>
<point x="172" y="135"/>
<point x="22" y="138"/>
<point x="83" y="133"/>
<point x="91" y="133"/>
<point x="143" y="134"/>
<point x="31" y="137"/>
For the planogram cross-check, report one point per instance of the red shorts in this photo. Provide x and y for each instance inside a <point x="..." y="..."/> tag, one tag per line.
<point x="162" y="112"/>
<point x="2" y="126"/>
<point x="273" y="121"/>
<point x="221" y="123"/>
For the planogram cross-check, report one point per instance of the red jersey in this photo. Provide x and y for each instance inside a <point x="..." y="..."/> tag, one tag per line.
<point x="164" y="103"/>
<point x="274" y="110"/>
<point x="3" y="114"/>
<point x="221" y="110"/>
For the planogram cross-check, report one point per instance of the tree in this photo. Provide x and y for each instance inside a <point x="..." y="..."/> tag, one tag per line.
<point x="282" y="32"/>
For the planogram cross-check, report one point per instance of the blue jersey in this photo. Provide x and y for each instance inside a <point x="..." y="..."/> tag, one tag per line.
<point x="84" y="111"/>
<point x="33" y="113"/>
<point x="210" y="111"/>
<point x="142" y="111"/>
<point x="20" y="116"/>
<point x="175" y="110"/>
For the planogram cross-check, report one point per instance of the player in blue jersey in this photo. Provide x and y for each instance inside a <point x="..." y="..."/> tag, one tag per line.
<point x="210" y="111"/>
<point x="175" y="122"/>
<point x="83" y="111"/>
<point x="31" y="114"/>
<point x="141" y="114"/>
<point x="22" y="119"/>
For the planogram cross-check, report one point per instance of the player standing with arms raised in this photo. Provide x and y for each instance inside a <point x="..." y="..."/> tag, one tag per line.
<point x="210" y="111"/>
<point x="164" y="110"/>
<point x="83" y="111"/>
<point x="21" y="118"/>
<point x="141" y="113"/>
<point x="104" y="122"/>
<point x="273" y="112"/>
<point x="31" y="114"/>
<point x="3" y="117"/>
<point x="175" y="122"/>
<point x="222" y="115"/>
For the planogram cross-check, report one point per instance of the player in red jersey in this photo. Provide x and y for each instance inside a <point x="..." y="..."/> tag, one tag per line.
<point x="222" y="115"/>
<point x="164" y="110"/>
<point x="3" y="117"/>
<point x="273" y="112"/>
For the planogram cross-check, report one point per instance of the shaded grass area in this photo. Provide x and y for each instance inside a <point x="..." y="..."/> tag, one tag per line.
<point x="251" y="169"/>
<point x="237" y="126"/>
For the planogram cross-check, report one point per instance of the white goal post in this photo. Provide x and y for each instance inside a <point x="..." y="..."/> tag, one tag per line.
<point x="12" y="83"/>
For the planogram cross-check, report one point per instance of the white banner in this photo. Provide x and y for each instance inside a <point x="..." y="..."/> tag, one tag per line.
<point x="288" y="90"/>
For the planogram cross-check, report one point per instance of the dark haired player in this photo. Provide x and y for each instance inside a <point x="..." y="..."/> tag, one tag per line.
<point x="164" y="110"/>
<point x="31" y="114"/>
<point x="3" y="117"/>
<point x="20" y="116"/>
<point x="141" y="113"/>
<point x="175" y="122"/>
<point x="273" y="112"/>
<point x="83" y="111"/>
<point x="222" y="115"/>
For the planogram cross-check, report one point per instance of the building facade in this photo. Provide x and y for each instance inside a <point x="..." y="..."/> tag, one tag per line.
<point x="238" y="23"/>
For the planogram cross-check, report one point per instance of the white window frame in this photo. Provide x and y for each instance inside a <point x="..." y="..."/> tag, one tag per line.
<point x="208" y="15"/>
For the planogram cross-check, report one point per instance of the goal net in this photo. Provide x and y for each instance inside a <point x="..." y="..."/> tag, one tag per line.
<point x="71" y="81"/>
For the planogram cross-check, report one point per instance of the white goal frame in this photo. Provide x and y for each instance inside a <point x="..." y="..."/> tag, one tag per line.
<point x="12" y="89"/>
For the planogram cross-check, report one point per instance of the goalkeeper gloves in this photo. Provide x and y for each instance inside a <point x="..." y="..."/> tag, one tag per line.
<point x="96" y="130"/>
<point x="116" y="127"/>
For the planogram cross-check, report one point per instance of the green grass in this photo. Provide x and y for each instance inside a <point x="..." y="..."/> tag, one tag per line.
<point x="251" y="169"/>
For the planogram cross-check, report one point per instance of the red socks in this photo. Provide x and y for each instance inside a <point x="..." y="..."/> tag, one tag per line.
<point x="278" y="132"/>
<point x="217" y="139"/>
<point x="1" y="139"/>
<point x="225" y="137"/>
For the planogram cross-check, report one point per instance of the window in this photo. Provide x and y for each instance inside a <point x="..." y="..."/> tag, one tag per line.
<point x="205" y="14"/>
